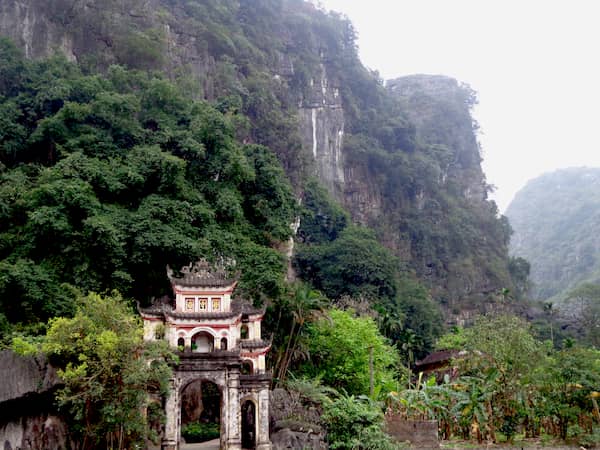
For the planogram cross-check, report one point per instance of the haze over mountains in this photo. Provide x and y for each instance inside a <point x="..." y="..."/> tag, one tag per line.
<point x="556" y="223"/>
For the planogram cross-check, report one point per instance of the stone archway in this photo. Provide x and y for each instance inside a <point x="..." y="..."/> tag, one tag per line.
<point x="249" y="428"/>
<point x="224" y="372"/>
<point x="203" y="342"/>
<point x="201" y="411"/>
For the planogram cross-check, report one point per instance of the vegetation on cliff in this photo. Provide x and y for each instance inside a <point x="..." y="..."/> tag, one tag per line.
<point x="176" y="135"/>
<point x="409" y="157"/>
<point x="106" y="179"/>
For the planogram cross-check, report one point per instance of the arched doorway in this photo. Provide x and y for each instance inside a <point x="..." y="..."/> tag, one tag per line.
<point x="203" y="342"/>
<point x="201" y="411"/>
<point x="247" y="367"/>
<point x="248" y="425"/>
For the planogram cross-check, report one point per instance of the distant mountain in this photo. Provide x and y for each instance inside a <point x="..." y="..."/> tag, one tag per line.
<point x="556" y="223"/>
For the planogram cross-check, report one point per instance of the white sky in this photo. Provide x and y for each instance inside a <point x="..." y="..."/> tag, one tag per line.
<point x="534" y="63"/>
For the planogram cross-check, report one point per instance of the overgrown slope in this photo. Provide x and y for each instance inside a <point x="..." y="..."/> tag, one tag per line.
<point x="106" y="179"/>
<point x="403" y="160"/>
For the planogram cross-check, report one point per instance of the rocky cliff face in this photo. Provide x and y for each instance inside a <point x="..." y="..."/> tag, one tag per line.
<point x="322" y="130"/>
<point x="403" y="160"/>
<point x="429" y="202"/>
<point x="30" y="25"/>
<point x="439" y="107"/>
<point x="28" y="419"/>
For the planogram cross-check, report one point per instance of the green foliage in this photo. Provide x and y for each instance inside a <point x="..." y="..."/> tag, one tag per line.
<point x="506" y="343"/>
<point x="519" y="269"/>
<point x="108" y="371"/>
<point x="340" y="347"/>
<point x="301" y="306"/>
<point x="200" y="432"/>
<point x="454" y="340"/>
<point x="109" y="178"/>
<point x="355" y="422"/>
<point x="354" y="264"/>
<point x="510" y="383"/>
<point x="581" y="313"/>
<point x="568" y="383"/>
<point x="322" y="219"/>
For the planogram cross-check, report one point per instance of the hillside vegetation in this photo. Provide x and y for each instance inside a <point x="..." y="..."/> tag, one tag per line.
<point x="138" y="134"/>
<point x="402" y="160"/>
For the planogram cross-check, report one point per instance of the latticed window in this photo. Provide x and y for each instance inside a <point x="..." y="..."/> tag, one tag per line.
<point x="203" y="304"/>
<point x="216" y="304"/>
<point x="189" y="304"/>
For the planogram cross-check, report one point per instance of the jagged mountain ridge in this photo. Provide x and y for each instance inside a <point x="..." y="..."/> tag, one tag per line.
<point x="403" y="160"/>
<point x="556" y="219"/>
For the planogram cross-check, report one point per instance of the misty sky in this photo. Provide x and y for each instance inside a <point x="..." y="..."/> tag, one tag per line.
<point x="534" y="64"/>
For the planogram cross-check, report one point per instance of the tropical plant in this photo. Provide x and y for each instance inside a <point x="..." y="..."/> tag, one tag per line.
<point x="108" y="370"/>
<point x="305" y="305"/>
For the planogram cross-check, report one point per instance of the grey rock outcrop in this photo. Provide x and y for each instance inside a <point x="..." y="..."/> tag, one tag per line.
<point x="28" y="419"/>
<point x="295" y="423"/>
<point x="322" y="130"/>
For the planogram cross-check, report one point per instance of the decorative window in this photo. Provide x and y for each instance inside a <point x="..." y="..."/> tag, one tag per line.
<point x="216" y="304"/>
<point x="244" y="332"/>
<point x="189" y="304"/>
<point x="203" y="304"/>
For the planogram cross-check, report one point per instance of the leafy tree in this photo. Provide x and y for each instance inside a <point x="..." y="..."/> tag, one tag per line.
<point x="341" y="346"/>
<point x="305" y="306"/>
<point x="108" y="371"/>
<point x="322" y="218"/>
<point x="519" y="269"/>
<point x="108" y="178"/>
<point x="568" y="381"/>
<point x="354" y="264"/>
<point x="355" y="422"/>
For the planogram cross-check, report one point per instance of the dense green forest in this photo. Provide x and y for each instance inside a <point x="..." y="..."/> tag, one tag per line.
<point x="407" y="164"/>
<point x="178" y="134"/>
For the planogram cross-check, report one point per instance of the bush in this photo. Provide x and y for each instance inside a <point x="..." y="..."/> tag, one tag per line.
<point x="356" y="422"/>
<point x="200" y="432"/>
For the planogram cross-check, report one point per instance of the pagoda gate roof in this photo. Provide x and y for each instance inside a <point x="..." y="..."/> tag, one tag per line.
<point x="202" y="274"/>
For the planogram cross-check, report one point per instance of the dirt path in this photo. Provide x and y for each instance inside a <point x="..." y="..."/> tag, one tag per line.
<point x="208" y="445"/>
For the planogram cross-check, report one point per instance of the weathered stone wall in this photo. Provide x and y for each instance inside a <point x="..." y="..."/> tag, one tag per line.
<point x="421" y="434"/>
<point x="294" y="423"/>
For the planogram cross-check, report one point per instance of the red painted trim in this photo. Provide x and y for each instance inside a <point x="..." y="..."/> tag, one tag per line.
<point x="185" y="291"/>
<point x="191" y="327"/>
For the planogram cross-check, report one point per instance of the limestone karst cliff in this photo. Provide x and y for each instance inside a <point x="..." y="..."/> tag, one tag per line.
<point x="402" y="158"/>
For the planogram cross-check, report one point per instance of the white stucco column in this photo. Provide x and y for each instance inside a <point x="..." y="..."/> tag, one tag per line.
<point x="262" y="441"/>
<point x="170" y="440"/>
<point x="234" y="428"/>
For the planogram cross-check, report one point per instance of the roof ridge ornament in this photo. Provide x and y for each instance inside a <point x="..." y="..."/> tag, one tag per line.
<point x="203" y="273"/>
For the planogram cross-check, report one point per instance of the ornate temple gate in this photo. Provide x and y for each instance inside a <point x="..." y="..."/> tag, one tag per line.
<point x="218" y="340"/>
<point x="223" y="369"/>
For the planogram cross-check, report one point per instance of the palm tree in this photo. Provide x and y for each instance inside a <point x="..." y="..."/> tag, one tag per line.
<point x="306" y="305"/>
